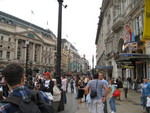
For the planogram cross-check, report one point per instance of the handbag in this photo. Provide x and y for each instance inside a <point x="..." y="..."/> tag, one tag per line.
<point x="93" y="94"/>
<point x="116" y="93"/>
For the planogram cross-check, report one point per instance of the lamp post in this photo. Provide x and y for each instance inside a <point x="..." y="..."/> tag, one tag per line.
<point x="58" y="62"/>
<point x="27" y="57"/>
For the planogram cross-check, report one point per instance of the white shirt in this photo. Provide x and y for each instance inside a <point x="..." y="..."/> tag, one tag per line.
<point x="64" y="83"/>
<point x="47" y="83"/>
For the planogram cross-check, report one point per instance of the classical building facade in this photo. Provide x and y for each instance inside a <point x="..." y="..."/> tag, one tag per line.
<point x="71" y="61"/>
<point x="15" y="34"/>
<point x="121" y="51"/>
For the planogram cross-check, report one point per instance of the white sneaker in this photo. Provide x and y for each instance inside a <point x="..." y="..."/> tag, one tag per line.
<point x="112" y="112"/>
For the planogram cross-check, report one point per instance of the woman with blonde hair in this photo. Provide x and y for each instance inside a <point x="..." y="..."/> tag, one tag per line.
<point x="80" y="91"/>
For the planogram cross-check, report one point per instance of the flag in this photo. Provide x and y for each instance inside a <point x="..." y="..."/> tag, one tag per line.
<point x="32" y="12"/>
<point x="146" y="33"/>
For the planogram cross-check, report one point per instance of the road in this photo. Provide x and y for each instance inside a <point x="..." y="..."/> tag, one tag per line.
<point x="129" y="105"/>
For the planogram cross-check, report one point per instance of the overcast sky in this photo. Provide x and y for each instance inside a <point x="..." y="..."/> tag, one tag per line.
<point x="79" y="25"/>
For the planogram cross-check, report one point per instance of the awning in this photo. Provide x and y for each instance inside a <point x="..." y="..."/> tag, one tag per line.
<point x="105" y="67"/>
<point x="127" y="60"/>
<point x="132" y="56"/>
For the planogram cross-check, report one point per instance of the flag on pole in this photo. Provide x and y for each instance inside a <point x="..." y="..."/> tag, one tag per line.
<point x="32" y="12"/>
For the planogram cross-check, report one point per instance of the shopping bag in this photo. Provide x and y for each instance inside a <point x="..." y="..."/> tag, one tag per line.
<point x="148" y="102"/>
<point x="88" y="98"/>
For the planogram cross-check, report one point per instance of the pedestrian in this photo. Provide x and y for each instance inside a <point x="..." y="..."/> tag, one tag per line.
<point x="76" y="86"/>
<point x="101" y="77"/>
<point x="97" y="101"/>
<point x="14" y="78"/>
<point x="126" y="87"/>
<point x="145" y="92"/>
<point x="64" y="88"/>
<point x="120" y="88"/>
<point x="112" y="98"/>
<point x="72" y="85"/>
<point x="80" y="91"/>
<point x="47" y="85"/>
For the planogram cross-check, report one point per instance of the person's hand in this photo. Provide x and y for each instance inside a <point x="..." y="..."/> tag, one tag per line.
<point x="103" y="99"/>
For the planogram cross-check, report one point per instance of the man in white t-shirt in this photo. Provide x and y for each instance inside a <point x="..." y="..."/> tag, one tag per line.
<point x="64" y="84"/>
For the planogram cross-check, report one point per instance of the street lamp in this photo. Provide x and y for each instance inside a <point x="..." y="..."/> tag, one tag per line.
<point x="58" y="62"/>
<point x="27" y="57"/>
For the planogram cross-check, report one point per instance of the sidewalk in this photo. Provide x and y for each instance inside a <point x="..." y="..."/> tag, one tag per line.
<point x="129" y="105"/>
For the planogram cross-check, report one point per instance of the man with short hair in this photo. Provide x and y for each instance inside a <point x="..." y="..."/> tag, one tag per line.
<point x="101" y="77"/>
<point x="14" y="78"/>
<point x="97" y="101"/>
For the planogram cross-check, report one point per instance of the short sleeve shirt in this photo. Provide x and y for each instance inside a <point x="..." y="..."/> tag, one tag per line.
<point x="100" y="84"/>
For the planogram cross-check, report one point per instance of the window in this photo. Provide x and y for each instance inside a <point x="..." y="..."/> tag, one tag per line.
<point x="1" y="53"/>
<point x="18" y="53"/>
<point x="8" y="55"/>
<point x="49" y="61"/>
<point x="138" y="25"/>
<point x="9" y="39"/>
<point x="1" y="46"/>
<point x="8" y="47"/>
<point x="35" y="56"/>
<point x="2" y="37"/>
<point x="10" y="22"/>
<point x="45" y="60"/>
<point x="2" y="20"/>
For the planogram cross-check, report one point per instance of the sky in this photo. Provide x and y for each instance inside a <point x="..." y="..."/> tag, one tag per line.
<point x="79" y="20"/>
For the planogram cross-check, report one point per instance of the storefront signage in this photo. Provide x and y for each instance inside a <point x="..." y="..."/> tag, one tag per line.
<point x="125" y="66"/>
<point x="146" y="33"/>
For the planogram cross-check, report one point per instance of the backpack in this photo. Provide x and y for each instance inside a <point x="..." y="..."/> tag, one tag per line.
<point x="116" y="93"/>
<point x="33" y="104"/>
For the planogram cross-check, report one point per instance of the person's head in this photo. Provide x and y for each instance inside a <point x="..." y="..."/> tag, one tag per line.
<point x="96" y="76"/>
<point x="47" y="76"/>
<point x="101" y="76"/>
<point x="128" y="28"/>
<point x="14" y="74"/>
<point x="111" y="82"/>
<point x="79" y="82"/>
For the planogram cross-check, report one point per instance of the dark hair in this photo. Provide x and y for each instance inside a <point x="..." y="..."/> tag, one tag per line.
<point x="95" y="76"/>
<point x="13" y="73"/>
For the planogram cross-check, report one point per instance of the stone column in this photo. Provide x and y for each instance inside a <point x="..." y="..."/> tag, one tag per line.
<point x="16" y="48"/>
<point x="33" y="51"/>
<point x="25" y="51"/>
<point x="40" y="54"/>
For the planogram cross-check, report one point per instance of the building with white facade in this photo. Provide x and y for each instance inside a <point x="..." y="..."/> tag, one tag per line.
<point x="14" y="33"/>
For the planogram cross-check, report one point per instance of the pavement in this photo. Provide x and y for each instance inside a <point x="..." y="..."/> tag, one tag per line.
<point x="129" y="105"/>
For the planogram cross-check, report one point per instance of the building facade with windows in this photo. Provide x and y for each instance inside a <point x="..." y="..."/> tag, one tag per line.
<point x="14" y="33"/>
<point x="121" y="50"/>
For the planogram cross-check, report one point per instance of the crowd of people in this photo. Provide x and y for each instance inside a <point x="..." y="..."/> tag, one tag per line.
<point x="95" y="90"/>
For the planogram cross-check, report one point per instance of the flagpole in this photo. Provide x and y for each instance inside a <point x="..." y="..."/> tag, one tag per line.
<point x="32" y="13"/>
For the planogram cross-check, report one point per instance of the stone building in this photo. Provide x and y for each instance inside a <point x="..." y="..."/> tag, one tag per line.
<point x="15" y="34"/>
<point x="121" y="50"/>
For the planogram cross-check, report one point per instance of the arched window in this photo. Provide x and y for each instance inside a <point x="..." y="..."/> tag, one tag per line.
<point x="2" y="20"/>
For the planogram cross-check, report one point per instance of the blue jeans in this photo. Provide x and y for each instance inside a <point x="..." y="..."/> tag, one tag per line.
<point x="112" y="104"/>
<point x="76" y="92"/>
